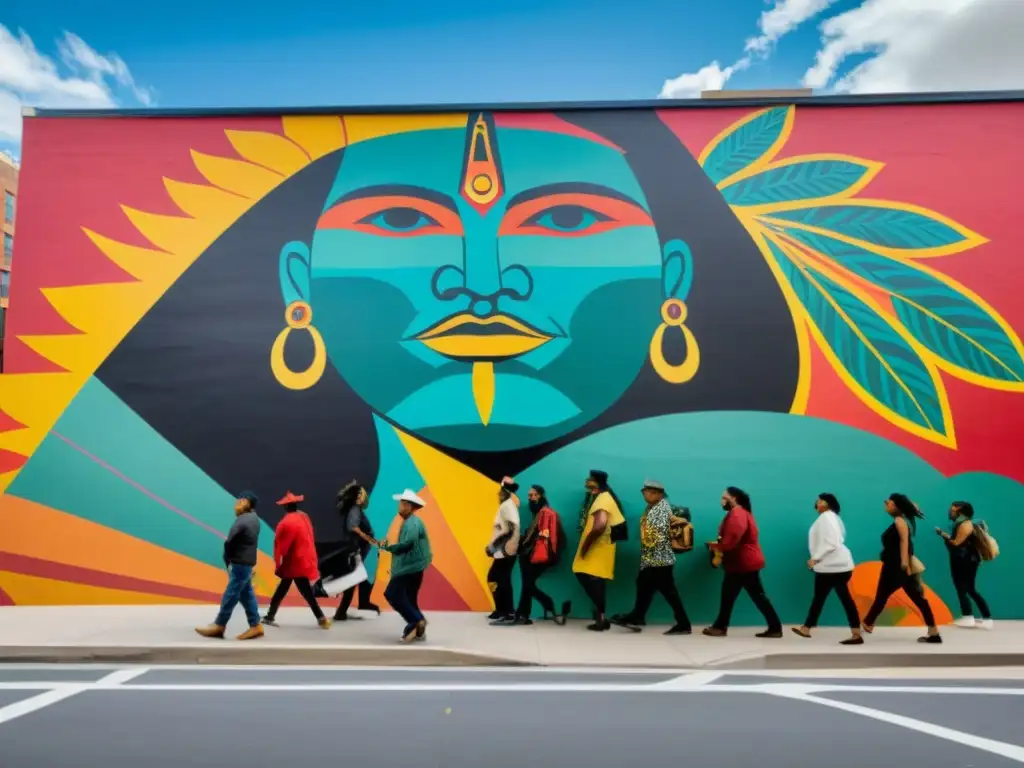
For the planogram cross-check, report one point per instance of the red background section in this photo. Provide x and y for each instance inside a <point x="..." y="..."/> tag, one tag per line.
<point x="959" y="160"/>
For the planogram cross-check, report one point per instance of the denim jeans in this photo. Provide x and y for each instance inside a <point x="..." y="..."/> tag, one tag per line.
<point x="239" y="589"/>
<point x="402" y="594"/>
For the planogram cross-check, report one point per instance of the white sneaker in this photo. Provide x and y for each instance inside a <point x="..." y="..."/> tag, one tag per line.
<point x="966" y="621"/>
<point x="986" y="624"/>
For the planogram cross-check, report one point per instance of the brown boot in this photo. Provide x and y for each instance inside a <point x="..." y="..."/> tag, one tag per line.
<point x="324" y="623"/>
<point x="213" y="630"/>
<point x="251" y="633"/>
<point x="713" y="632"/>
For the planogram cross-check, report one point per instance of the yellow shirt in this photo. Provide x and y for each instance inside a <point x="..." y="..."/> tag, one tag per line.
<point x="600" y="559"/>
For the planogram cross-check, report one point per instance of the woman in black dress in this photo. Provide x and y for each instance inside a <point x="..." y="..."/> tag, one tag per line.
<point x="898" y="566"/>
<point x="352" y="503"/>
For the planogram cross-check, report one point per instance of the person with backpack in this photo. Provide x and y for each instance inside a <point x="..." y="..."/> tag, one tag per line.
<point x="743" y="560"/>
<point x="539" y="551"/>
<point x="601" y="526"/>
<point x="657" y="563"/>
<point x="965" y="557"/>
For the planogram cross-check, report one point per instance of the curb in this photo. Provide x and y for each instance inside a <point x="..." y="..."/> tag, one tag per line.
<point x="805" y="661"/>
<point x="277" y="655"/>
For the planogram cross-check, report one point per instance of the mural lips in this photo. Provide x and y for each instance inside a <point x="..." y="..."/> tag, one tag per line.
<point x="469" y="338"/>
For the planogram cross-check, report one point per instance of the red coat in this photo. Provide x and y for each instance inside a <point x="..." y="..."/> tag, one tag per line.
<point x="295" y="548"/>
<point x="741" y="551"/>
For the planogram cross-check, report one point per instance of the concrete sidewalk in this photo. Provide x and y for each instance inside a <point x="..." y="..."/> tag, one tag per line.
<point x="164" y="634"/>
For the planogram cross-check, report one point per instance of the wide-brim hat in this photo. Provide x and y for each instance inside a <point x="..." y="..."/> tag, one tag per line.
<point x="653" y="485"/>
<point x="412" y="498"/>
<point x="290" y="498"/>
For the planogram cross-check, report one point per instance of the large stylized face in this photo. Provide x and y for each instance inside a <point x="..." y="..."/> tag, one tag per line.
<point x="486" y="288"/>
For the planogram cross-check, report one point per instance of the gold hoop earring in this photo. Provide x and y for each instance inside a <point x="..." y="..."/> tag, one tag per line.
<point x="673" y="315"/>
<point x="298" y="317"/>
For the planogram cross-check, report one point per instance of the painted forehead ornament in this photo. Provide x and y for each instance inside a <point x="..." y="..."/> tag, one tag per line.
<point x="481" y="171"/>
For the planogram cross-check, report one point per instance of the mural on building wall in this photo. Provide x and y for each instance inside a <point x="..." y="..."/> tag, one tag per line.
<point x="709" y="297"/>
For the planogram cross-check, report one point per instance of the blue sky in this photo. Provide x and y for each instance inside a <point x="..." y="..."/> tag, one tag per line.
<point x="209" y="53"/>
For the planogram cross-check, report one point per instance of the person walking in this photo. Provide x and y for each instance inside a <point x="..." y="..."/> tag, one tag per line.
<point x="964" y="561"/>
<point x="358" y="537"/>
<point x="410" y="558"/>
<point x="657" y="563"/>
<point x="742" y="560"/>
<point x="539" y="551"/>
<point x="503" y="547"/>
<point x="832" y="563"/>
<point x="900" y="568"/>
<point x="295" y="560"/>
<point x="594" y="564"/>
<point x="240" y="550"/>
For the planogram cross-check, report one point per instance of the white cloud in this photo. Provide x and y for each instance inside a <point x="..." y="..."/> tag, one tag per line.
<point x="923" y="45"/>
<point x="28" y="77"/>
<point x="781" y="19"/>
<point x="775" y="23"/>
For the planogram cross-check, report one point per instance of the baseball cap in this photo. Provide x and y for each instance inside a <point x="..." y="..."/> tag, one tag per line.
<point x="409" y="496"/>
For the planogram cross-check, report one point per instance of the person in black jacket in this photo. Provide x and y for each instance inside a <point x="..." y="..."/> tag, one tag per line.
<point x="352" y="502"/>
<point x="240" y="548"/>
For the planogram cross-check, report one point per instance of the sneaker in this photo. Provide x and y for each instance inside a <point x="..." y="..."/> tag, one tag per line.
<point x="421" y="630"/>
<point x="251" y="633"/>
<point x="213" y="630"/>
<point x="986" y="624"/>
<point x="493" y="616"/>
<point x="930" y="639"/>
<point x="409" y="634"/>
<point x="270" y="621"/>
<point x="678" y="629"/>
<point x="503" y="621"/>
<point x="324" y="623"/>
<point x="966" y="621"/>
<point x="522" y="621"/>
<point x="600" y="626"/>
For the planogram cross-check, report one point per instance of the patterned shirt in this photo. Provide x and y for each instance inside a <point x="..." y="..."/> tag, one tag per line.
<point x="655" y="539"/>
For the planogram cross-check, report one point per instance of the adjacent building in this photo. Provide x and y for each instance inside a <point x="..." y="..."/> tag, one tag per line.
<point x="9" y="193"/>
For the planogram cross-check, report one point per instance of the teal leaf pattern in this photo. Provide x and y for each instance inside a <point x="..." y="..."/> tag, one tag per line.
<point x="795" y="181"/>
<point x="947" y="322"/>
<point x="880" y="360"/>
<point x="745" y="145"/>
<point x="876" y="224"/>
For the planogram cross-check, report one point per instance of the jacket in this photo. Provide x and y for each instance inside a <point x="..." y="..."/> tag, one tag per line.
<point x="294" y="548"/>
<point x="411" y="554"/>
<point x="741" y="551"/>
<point x="825" y="542"/>
<point x="543" y="535"/>
<point x="240" y="546"/>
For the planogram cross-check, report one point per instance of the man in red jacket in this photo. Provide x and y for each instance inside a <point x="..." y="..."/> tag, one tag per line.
<point x="295" y="559"/>
<point x="742" y="561"/>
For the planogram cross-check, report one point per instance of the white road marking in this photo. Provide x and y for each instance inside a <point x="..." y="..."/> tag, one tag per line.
<point x="692" y="681"/>
<point x="61" y="692"/>
<point x="1009" y="751"/>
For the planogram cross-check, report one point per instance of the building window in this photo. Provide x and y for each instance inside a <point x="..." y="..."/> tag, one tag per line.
<point x="5" y="279"/>
<point x="8" y="207"/>
<point x="8" y="249"/>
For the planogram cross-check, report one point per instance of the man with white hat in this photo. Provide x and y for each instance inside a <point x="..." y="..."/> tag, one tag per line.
<point x="410" y="558"/>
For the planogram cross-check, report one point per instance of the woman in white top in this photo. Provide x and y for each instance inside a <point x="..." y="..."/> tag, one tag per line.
<point x="503" y="548"/>
<point x="832" y="564"/>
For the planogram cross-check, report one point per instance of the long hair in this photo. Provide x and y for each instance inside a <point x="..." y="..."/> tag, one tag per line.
<point x="348" y="495"/>
<point x="832" y="501"/>
<point x="965" y="508"/>
<point x="742" y="499"/>
<point x="906" y="509"/>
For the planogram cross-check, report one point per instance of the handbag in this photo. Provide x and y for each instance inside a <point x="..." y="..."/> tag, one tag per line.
<point x="916" y="566"/>
<point x="357" y="575"/>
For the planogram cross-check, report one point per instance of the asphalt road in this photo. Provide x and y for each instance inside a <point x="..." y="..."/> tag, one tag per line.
<point x="122" y="717"/>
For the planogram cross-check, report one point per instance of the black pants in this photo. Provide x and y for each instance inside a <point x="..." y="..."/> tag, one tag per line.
<point x="891" y="580"/>
<point x="305" y="589"/>
<point x="365" y="589"/>
<point x="732" y="585"/>
<point x="964" y="574"/>
<point x="596" y="589"/>
<point x="500" y="579"/>
<point x="825" y="583"/>
<point x="659" y="579"/>
<point x="530" y="591"/>
<point x="403" y="594"/>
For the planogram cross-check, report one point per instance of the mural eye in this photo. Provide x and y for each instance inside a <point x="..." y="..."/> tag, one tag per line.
<point x="400" y="220"/>
<point x="567" y="218"/>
